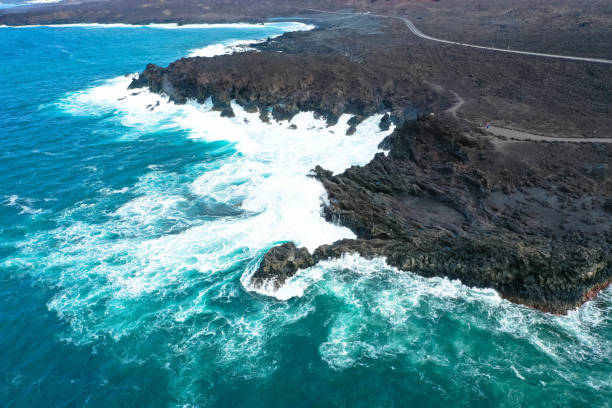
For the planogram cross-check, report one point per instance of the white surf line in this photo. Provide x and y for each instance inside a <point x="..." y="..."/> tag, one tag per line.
<point x="420" y="34"/>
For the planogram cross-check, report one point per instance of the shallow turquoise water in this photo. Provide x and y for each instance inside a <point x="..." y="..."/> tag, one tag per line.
<point x="128" y="234"/>
<point x="11" y="4"/>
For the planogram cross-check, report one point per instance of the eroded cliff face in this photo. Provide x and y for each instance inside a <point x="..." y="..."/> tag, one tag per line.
<point x="282" y="85"/>
<point x="531" y="220"/>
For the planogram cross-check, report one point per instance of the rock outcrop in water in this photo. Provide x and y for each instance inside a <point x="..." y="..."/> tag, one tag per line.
<point x="530" y="220"/>
<point x="282" y="262"/>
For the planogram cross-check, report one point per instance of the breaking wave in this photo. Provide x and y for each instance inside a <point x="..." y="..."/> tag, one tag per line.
<point x="256" y="195"/>
<point x="233" y="46"/>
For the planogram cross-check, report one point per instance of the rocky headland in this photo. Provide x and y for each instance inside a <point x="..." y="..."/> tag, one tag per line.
<point x="279" y="86"/>
<point x="531" y="220"/>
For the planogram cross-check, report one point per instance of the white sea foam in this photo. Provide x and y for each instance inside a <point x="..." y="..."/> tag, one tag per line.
<point x="110" y="191"/>
<point x="369" y="293"/>
<point x="25" y="205"/>
<point x="232" y="46"/>
<point x="132" y="254"/>
<point x="228" y="47"/>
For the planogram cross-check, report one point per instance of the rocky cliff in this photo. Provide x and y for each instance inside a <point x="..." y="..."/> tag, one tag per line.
<point x="531" y="220"/>
<point x="283" y="85"/>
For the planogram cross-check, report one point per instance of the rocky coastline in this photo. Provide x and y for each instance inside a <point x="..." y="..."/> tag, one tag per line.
<point x="279" y="86"/>
<point x="531" y="220"/>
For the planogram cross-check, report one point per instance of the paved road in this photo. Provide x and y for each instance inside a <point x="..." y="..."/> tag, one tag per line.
<point x="524" y="136"/>
<point x="459" y="101"/>
<point x="420" y="34"/>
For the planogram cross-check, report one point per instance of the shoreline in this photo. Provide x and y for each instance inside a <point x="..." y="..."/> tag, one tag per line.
<point x="434" y="216"/>
<point x="449" y="213"/>
<point x="454" y="217"/>
<point x="134" y="225"/>
<point x="169" y="26"/>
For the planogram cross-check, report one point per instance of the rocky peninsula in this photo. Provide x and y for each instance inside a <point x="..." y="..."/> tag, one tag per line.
<point x="532" y="220"/>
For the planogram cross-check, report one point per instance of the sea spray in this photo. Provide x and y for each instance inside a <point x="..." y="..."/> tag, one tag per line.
<point x="263" y="186"/>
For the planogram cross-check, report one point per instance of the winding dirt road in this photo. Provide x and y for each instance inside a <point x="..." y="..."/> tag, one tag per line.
<point x="459" y="101"/>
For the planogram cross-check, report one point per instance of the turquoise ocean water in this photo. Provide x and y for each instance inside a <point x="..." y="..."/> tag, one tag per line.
<point x="129" y="227"/>
<point x="10" y="4"/>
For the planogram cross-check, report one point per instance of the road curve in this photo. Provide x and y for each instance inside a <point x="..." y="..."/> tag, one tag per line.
<point x="420" y="34"/>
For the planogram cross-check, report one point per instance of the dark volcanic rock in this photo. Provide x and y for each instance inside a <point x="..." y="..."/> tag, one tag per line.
<point x="531" y="220"/>
<point x="446" y="201"/>
<point x="353" y="123"/>
<point x="280" y="263"/>
<point x="385" y="122"/>
<point x="608" y="206"/>
<point x="287" y="84"/>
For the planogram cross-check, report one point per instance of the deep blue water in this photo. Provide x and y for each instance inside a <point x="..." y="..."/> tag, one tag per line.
<point x="127" y="235"/>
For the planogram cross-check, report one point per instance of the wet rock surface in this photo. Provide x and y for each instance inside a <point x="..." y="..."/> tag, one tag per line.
<point x="280" y="263"/>
<point x="526" y="219"/>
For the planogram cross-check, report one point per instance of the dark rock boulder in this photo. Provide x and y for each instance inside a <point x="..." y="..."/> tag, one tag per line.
<point x="385" y="122"/>
<point x="280" y="263"/>
<point x="353" y="123"/>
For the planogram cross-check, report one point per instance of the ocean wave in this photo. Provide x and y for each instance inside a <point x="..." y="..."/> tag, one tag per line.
<point x="401" y="305"/>
<point x="152" y="245"/>
<point x="25" y="205"/>
<point x="228" y="47"/>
